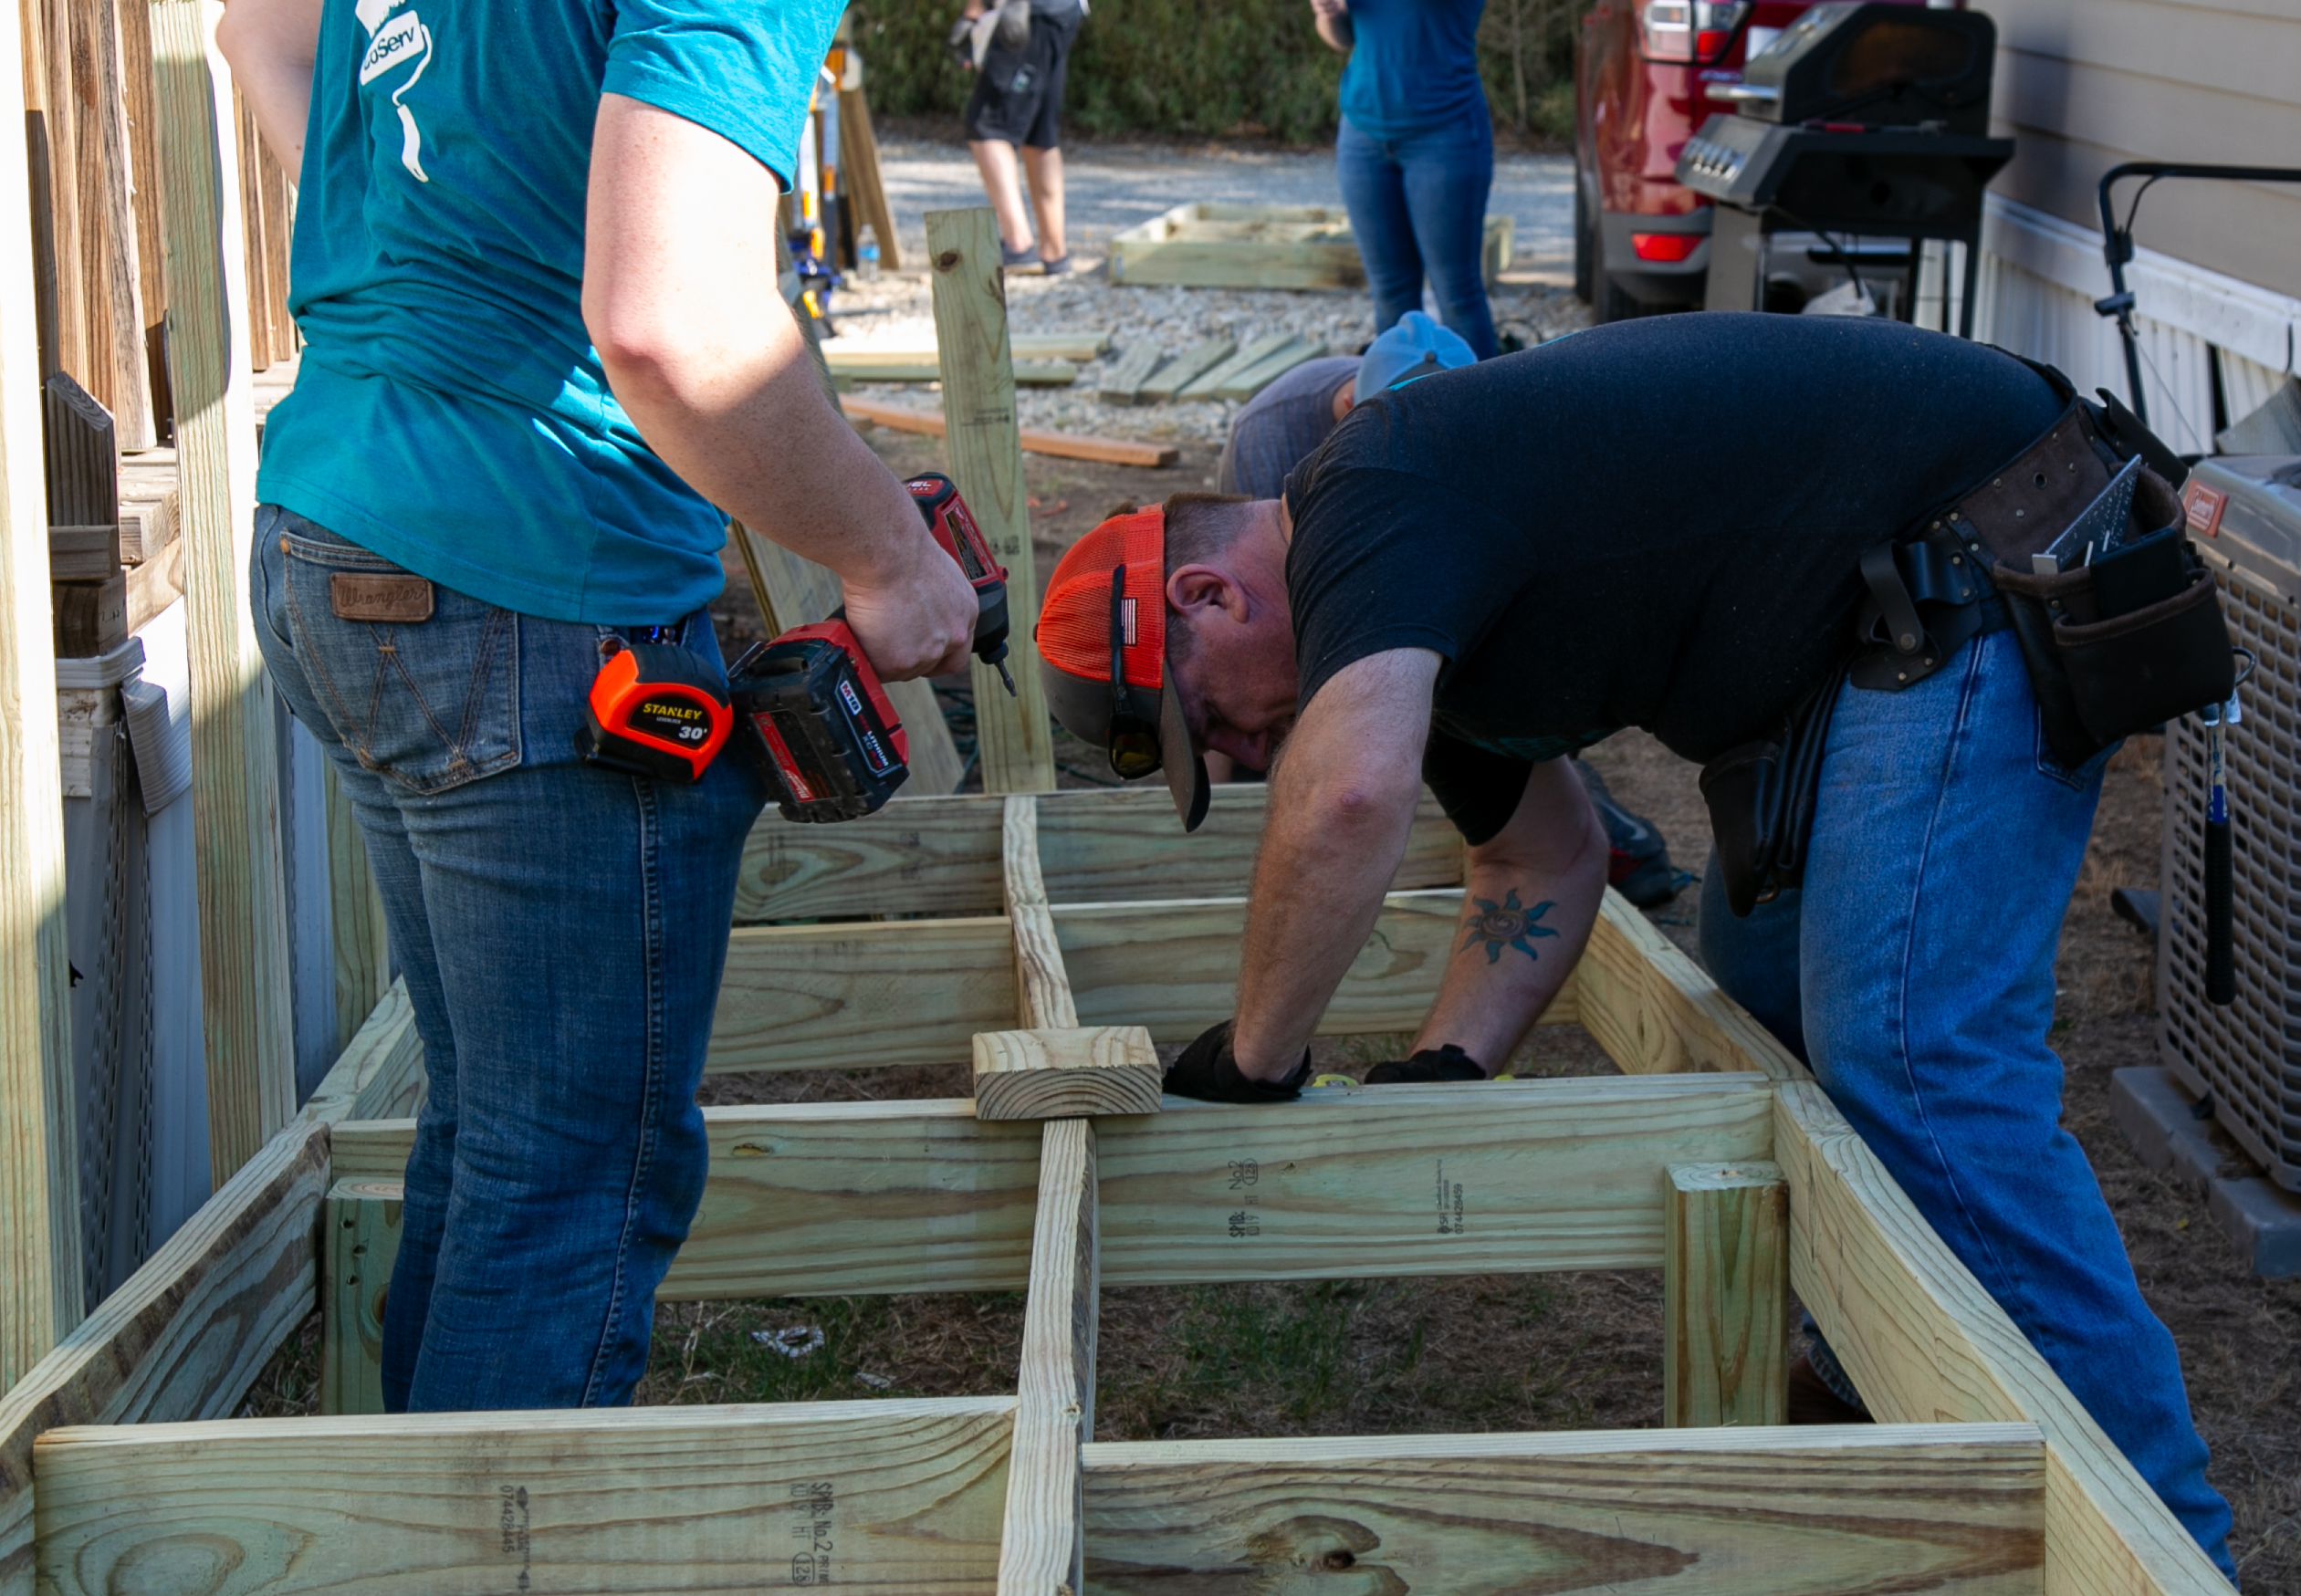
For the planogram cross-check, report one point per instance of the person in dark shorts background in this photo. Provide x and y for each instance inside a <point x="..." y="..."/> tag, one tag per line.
<point x="1017" y="100"/>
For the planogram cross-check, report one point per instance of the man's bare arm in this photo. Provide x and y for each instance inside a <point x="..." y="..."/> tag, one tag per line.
<point x="1342" y="797"/>
<point x="680" y="297"/>
<point x="271" y="45"/>
<point x="1333" y="24"/>
<point x="1532" y="896"/>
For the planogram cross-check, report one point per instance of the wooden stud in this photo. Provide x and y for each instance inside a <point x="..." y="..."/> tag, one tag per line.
<point x="1065" y="1074"/>
<point x="1811" y="1512"/>
<point x="143" y="166"/>
<point x="1042" y="986"/>
<point x="257" y="262"/>
<point x="380" y="1073"/>
<point x="1041" y="1544"/>
<point x="361" y="1224"/>
<point x="1013" y="735"/>
<point x="244" y="942"/>
<point x="1245" y="384"/>
<point x="105" y="157"/>
<point x="901" y="418"/>
<point x="1499" y="1178"/>
<point x="182" y="1337"/>
<point x="40" y="1142"/>
<point x="792" y="590"/>
<point x="875" y="368"/>
<point x="355" y="912"/>
<point x="1725" y="1295"/>
<point x="916" y="856"/>
<point x="883" y="1497"/>
<point x="59" y="107"/>
<point x="1123" y="384"/>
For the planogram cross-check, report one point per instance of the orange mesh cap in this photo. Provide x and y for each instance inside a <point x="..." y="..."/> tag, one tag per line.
<point x="1108" y="598"/>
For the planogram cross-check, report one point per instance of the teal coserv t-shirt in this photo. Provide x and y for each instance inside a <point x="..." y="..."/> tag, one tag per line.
<point x="450" y="412"/>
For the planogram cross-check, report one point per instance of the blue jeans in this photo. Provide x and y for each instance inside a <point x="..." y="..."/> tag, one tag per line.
<point x="1915" y="973"/>
<point x="562" y="930"/>
<point x="1417" y="205"/>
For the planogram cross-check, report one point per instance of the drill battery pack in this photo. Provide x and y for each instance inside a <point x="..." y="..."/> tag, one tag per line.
<point x="819" y="728"/>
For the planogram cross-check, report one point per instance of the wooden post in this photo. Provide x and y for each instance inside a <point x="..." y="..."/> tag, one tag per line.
<point x="60" y="104"/>
<point x="355" y="914"/>
<point x="1012" y="735"/>
<point x="1042" y="1548"/>
<point x="113" y="273"/>
<point x="1041" y="985"/>
<point x="859" y="171"/>
<point x="143" y="167"/>
<point x="363" y="1222"/>
<point x="40" y="1295"/>
<point x="1725" y="1285"/>
<point x="244" y="940"/>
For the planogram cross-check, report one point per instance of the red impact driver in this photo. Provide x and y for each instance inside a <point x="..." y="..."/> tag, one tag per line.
<point x="816" y="719"/>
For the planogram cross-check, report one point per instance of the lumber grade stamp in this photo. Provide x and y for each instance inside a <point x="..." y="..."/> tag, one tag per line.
<point x="1725" y="1295"/>
<point x="1065" y="1074"/>
<point x="1948" y="1508"/>
<point x="881" y="1496"/>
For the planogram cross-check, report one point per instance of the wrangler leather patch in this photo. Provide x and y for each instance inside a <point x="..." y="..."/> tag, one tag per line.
<point x="404" y="597"/>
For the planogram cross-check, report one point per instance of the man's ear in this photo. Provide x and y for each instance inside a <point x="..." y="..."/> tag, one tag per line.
<point x="1195" y="589"/>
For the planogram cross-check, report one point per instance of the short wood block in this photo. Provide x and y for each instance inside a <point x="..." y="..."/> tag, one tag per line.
<point x="362" y="1243"/>
<point x="1725" y="1285"/>
<point x="91" y="618"/>
<point x="1065" y="1074"/>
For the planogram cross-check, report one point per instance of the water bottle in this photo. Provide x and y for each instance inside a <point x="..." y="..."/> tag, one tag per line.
<point x="867" y="253"/>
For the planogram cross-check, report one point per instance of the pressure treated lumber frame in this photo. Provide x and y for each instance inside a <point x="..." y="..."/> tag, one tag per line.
<point x="1985" y="1475"/>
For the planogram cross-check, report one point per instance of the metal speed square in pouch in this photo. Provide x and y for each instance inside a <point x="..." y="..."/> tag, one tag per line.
<point x="819" y="725"/>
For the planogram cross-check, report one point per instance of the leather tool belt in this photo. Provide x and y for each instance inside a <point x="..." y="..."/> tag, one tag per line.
<point x="2118" y="636"/>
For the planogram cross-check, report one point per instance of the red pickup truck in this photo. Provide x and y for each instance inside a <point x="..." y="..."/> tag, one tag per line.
<point x="1647" y="75"/>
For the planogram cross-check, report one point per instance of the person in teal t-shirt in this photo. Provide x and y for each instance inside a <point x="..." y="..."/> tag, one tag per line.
<point x="545" y="359"/>
<point x="1414" y="154"/>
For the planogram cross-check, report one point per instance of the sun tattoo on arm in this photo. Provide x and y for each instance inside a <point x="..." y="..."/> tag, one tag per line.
<point x="1506" y="924"/>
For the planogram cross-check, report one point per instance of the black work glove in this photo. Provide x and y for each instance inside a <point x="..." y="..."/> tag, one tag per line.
<point x="1206" y="1071"/>
<point x="961" y="42"/>
<point x="1448" y="1063"/>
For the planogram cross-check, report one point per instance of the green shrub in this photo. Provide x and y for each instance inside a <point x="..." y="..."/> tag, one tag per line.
<point x="1207" y="70"/>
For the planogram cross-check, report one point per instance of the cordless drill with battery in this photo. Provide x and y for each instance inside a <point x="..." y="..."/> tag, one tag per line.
<point x="810" y="708"/>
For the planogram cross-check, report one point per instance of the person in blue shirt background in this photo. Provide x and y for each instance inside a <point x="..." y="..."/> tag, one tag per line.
<point x="1414" y="154"/>
<point x="545" y="359"/>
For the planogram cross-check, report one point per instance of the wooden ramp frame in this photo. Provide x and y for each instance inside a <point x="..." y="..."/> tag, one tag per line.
<point x="1215" y="246"/>
<point x="1069" y="930"/>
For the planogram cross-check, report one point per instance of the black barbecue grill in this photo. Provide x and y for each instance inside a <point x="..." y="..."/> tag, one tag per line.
<point x="1859" y="122"/>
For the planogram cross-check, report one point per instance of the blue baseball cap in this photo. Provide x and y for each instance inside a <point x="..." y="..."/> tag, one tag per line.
<point x="1415" y="346"/>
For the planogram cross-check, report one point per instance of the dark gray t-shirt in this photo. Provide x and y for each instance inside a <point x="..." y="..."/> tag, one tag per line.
<point x="1280" y="426"/>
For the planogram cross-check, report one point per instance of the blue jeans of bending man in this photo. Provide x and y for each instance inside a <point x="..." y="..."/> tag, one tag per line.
<point x="562" y="930"/>
<point x="1915" y="975"/>
<point x="1417" y="207"/>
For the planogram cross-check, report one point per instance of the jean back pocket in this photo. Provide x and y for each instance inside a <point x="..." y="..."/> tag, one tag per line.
<point x="430" y="702"/>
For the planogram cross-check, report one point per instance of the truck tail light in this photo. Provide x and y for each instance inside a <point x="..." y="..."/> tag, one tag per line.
<point x="1689" y="30"/>
<point x="1666" y="247"/>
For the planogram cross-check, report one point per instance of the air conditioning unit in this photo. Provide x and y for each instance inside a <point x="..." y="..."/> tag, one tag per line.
<point x="2245" y="515"/>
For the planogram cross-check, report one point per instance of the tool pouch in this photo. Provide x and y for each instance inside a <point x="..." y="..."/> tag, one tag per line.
<point x="2121" y="645"/>
<point x="1761" y="799"/>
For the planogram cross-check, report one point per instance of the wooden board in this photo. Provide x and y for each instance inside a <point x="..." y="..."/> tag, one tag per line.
<point x="107" y="202"/>
<point x="1040" y="1545"/>
<point x="1044" y="999"/>
<point x="1246" y="384"/>
<point x="39" y="1142"/>
<point x="1123" y="384"/>
<point x="380" y="1073"/>
<point x="916" y="856"/>
<point x="182" y="1337"/>
<point x="1207" y="384"/>
<point x="1187" y="367"/>
<point x="923" y="1197"/>
<point x="839" y="997"/>
<point x="1035" y="441"/>
<point x="1205" y="245"/>
<point x="1725" y="1295"/>
<point x="1065" y="1074"/>
<point x="879" y="1496"/>
<point x="1027" y="373"/>
<point x="1816" y="1512"/>
<point x="858" y="172"/>
<point x="243" y="932"/>
<point x="1014" y="736"/>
